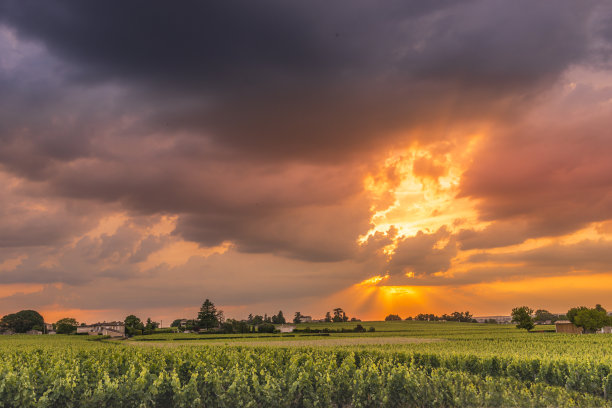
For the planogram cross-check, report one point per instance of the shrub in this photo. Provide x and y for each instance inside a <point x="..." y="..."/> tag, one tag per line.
<point x="266" y="328"/>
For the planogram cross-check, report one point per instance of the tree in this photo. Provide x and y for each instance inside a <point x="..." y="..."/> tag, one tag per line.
<point x="279" y="318"/>
<point x="392" y="317"/>
<point x="328" y="317"/>
<point x="23" y="321"/>
<point x="151" y="325"/>
<point x="591" y="320"/>
<point x="208" y="316"/>
<point x="176" y="323"/>
<point x="133" y="325"/>
<point x="227" y="327"/>
<point x="542" y="315"/>
<point x="522" y="317"/>
<point x="257" y="320"/>
<point x="571" y="314"/>
<point x="297" y="318"/>
<point x="67" y="325"/>
<point x="338" y="315"/>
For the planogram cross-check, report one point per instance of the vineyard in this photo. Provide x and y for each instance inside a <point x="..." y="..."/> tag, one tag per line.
<point x="468" y="365"/>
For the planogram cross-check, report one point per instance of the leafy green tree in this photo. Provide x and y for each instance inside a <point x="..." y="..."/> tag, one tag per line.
<point x="176" y="323"/>
<point x="297" y="318"/>
<point x="133" y="325"/>
<point x="591" y="320"/>
<point x="279" y="318"/>
<point x="328" y="317"/>
<point x="542" y="315"/>
<point x="66" y="325"/>
<point x="23" y="321"/>
<point x="571" y="314"/>
<point x="522" y="317"/>
<point x="208" y="317"/>
<point x="392" y="317"/>
<point x="257" y="320"/>
<point x="338" y="315"/>
<point x="151" y="325"/>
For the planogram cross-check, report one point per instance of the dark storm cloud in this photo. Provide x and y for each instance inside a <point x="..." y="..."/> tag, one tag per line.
<point x="310" y="79"/>
<point x="211" y="110"/>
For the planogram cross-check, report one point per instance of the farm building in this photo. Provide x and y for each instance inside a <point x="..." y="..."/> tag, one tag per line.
<point x="113" y="329"/>
<point x="565" y="326"/>
<point x="286" y="328"/>
<point x="606" y="330"/>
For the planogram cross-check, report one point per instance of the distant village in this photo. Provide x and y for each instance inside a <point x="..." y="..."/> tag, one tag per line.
<point x="210" y="320"/>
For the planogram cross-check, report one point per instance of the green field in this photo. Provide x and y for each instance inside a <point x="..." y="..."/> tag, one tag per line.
<point x="424" y="364"/>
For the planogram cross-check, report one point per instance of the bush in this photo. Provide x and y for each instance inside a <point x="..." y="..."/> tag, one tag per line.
<point x="227" y="328"/>
<point x="359" y="329"/>
<point x="266" y="328"/>
<point x="371" y="329"/>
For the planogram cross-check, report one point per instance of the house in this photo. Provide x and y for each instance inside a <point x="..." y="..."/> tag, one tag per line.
<point x="113" y="329"/>
<point x="306" y="319"/>
<point x="605" y="330"/>
<point x="49" y="328"/>
<point x="565" y="326"/>
<point x="286" y="328"/>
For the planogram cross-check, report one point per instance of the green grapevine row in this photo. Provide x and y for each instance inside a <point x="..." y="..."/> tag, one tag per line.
<point x="95" y="375"/>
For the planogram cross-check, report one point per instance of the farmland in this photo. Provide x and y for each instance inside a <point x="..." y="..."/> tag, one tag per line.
<point x="400" y="364"/>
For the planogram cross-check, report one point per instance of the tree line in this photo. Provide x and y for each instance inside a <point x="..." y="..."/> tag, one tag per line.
<point x="465" y="317"/>
<point x="212" y="320"/>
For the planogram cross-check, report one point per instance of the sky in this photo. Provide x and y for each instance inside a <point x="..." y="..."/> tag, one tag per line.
<point x="383" y="157"/>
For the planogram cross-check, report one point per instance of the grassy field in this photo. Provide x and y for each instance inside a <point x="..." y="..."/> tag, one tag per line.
<point x="423" y="364"/>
